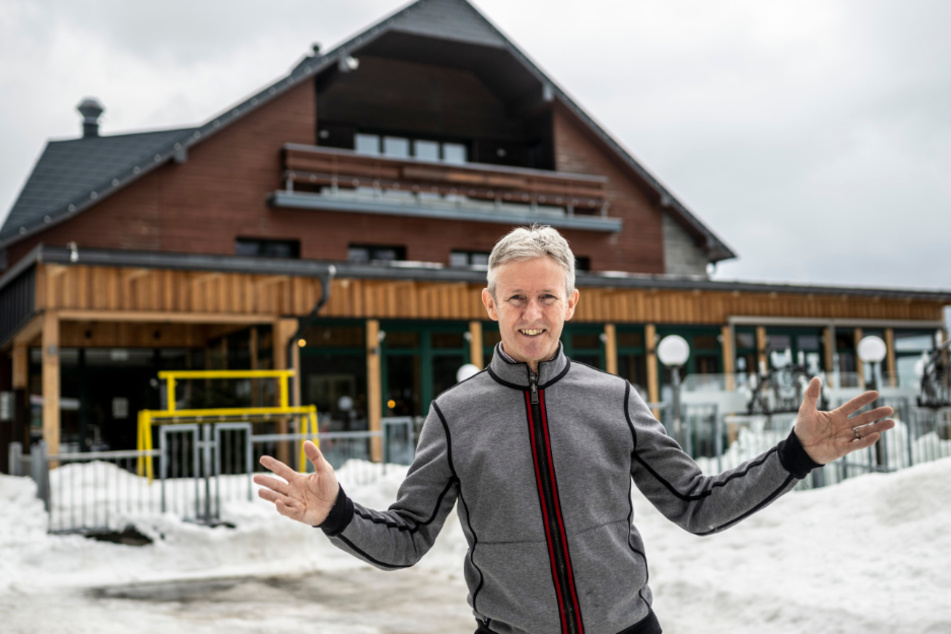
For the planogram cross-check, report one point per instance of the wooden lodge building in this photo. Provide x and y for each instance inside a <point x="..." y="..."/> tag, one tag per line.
<point x="338" y="222"/>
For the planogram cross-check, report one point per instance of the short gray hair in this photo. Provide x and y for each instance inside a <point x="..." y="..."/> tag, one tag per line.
<point x="529" y="243"/>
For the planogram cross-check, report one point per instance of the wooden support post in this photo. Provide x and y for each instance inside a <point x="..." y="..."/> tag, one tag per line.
<point x="475" y="344"/>
<point x="859" y="366"/>
<point x="51" y="382"/>
<point x="829" y="336"/>
<point x="653" y="385"/>
<point x="726" y="345"/>
<point x="284" y="329"/>
<point x="374" y="387"/>
<point x="610" y="348"/>
<point x="253" y="350"/>
<point x="21" y="364"/>
<point x="761" y="344"/>
<point x="890" y="365"/>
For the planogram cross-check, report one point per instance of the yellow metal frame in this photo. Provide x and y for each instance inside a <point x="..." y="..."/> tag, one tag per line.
<point x="171" y="416"/>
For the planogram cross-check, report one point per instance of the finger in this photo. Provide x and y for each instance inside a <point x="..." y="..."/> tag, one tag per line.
<point x="865" y="442"/>
<point x="857" y="403"/>
<point x="270" y="496"/>
<point x="811" y="397"/>
<point x="875" y="428"/>
<point x="316" y="457"/>
<point x="278" y="467"/>
<point x="871" y="416"/>
<point x="271" y="483"/>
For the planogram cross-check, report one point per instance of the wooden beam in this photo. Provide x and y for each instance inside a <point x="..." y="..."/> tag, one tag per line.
<point x="761" y="345"/>
<point x="475" y="344"/>
<point x="21" y="366"/>
<point x="30" y="332"/>
<point x="51" y="381"/>
<point x="374" y="387"/>
<point x="891" y="366"/>
<point x="610" y="348"/>
<point x="829" y="337"/>
<point x="859" y="366"/>
<point x="164" y="317"/>
<point x="726" y="346"/>
<point x="653" y="385"/>
<point x="283" y="330"/>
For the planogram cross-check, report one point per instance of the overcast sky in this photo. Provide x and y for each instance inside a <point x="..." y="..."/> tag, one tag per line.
<point x="813" y="137"/>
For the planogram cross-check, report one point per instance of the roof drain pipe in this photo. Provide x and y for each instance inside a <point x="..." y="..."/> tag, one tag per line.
<point x="306" y="322"/>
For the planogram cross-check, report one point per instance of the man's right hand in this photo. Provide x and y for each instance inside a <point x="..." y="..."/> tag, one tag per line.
<point x="305" y="497"/>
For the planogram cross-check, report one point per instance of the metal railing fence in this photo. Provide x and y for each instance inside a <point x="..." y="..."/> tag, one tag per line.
<point x="200" y="468"/>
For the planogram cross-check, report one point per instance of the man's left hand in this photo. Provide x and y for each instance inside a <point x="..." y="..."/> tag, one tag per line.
<point x="827" y="436"/>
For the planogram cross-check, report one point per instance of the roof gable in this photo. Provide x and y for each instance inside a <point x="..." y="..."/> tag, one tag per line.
<point x="453" y="21"/>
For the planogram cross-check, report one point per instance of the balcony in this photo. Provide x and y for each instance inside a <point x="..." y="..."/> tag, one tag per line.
<point x="342" y="181"/>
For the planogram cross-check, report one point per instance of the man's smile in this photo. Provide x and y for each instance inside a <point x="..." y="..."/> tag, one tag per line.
<point x="532" y="332"/>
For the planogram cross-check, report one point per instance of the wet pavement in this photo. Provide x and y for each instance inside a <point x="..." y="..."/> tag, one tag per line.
<point x="364" y="601"/>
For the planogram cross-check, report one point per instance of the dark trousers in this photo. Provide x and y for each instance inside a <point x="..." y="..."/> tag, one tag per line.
<point x="648" y="625"/>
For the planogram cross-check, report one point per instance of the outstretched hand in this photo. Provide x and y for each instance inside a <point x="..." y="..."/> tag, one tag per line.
<point x="305" y="497"/>
<point x="827" y="436"/>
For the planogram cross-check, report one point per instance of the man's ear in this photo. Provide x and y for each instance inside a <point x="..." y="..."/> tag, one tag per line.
<point x="490" y="306"/>
<point x="572" y="302"/>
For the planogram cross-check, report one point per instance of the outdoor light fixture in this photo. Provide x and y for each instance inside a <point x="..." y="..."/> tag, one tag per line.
<point x="673" y="351"/>
<point x="465" y="371"/>
<point x="871" y="349"/>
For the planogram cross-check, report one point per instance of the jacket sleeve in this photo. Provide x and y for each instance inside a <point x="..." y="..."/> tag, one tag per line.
<point x="701" y="504"/>
<point x="400" y="536"/>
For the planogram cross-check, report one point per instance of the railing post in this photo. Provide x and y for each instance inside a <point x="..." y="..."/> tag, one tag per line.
<point x="39" y="471"/>
<point x="15" y="455"/>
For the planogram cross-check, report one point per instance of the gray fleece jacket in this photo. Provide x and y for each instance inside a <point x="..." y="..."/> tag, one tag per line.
<point x="542" y="470"/>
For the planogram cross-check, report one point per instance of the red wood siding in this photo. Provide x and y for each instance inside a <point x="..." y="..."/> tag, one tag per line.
<point x="639" y="247"/>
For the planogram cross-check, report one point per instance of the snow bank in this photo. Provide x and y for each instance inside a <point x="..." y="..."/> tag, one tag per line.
<point x="870" y="555"/>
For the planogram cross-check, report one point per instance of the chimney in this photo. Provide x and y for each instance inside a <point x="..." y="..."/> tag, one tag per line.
<point x="90" y="109"/>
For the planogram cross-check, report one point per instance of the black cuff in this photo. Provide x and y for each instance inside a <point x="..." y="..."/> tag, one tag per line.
<point x="339" y="517"/>
<point x="795" y="458"/>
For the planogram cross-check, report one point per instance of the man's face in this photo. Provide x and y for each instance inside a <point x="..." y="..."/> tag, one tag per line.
<point x="531" y="306"/>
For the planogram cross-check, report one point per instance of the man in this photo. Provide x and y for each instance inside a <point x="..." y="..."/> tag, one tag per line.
<point x="540" y="454"/>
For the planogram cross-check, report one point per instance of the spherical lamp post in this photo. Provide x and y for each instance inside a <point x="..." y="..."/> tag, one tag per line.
<point x="673" y="351"/>
<point x="872" y="350"/>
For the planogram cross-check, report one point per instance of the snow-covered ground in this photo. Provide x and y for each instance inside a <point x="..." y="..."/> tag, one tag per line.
<point x="870" y="555"/>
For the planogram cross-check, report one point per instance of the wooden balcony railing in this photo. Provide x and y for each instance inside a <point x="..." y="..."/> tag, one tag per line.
<point x="312" y="168"/>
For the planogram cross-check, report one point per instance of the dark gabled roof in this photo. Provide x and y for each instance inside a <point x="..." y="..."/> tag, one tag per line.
<point x="69" y="171"/>
<point x="466" y="35"/>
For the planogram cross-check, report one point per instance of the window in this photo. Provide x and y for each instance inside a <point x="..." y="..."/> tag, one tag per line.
<point x="403" y="147"/>
<point x="469" y="258"/>
<point x="265" y="248"/>
<point x="582" y="263"/>
<point x="375" y="253"/>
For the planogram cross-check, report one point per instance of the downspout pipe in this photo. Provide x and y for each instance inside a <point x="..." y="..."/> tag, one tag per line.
<point x="305" y="322"/>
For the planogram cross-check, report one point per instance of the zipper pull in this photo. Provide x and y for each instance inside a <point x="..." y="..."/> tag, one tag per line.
<point x="533" y="381"/>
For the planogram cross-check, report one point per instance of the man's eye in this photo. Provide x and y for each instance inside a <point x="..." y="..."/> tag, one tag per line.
<point x="548" y="299"/>
<point x="517" y="299"/>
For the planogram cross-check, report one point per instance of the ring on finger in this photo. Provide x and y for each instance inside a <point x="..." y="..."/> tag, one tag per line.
<point x="855" y="432"/>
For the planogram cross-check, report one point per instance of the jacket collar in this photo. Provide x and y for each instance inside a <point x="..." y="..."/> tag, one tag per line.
<point x="517" y="374"/>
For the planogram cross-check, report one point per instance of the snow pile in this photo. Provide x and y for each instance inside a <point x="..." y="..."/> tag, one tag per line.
<point x="870" y="555"/>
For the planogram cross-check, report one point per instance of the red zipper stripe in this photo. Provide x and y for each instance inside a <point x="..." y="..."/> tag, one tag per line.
<point x="558" y="515"/>
<point x="541" y="497"/>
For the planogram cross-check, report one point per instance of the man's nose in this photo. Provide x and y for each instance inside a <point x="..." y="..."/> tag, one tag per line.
<point x="533" y="309"/>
